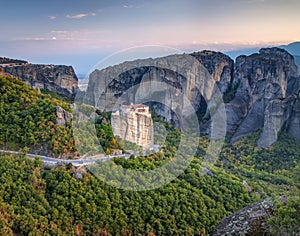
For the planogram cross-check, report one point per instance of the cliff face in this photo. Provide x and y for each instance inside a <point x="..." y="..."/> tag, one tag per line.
<point x="148" y="80"/>
<point x="219" y="65"/>
<point x="134" y="123"/>
<point x="60" y="79"/>
<point x="63" y="116"/>
<point x="263" y="87"/>
<point x="265" y="96"/>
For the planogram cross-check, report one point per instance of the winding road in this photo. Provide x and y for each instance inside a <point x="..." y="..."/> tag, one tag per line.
<point x="76" y="162"/>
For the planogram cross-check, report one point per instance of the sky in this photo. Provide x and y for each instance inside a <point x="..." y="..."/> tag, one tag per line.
<point x="83" y="32"/>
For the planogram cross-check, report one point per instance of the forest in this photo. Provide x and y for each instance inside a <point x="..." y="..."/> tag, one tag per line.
<point x="67" y="200"/>
<point x="28" y="119"/>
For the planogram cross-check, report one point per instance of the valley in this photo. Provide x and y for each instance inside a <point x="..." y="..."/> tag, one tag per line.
<point x="60" y="189"/>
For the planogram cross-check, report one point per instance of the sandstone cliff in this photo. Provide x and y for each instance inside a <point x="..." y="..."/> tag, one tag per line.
<point x="148" y="80"/>
<point x="57" y="78"/>
<point x="260" y="90"/>
<point x="219" y="65"/>
<point x="134" y="123"/>
<point x="264" y="98"/>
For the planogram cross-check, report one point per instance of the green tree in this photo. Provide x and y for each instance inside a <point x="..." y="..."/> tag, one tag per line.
<point x="286" y="218"/>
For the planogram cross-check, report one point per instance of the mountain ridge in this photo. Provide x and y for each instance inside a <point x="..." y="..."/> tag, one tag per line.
<point x="260" y="90"/>
<point x="266" y="88"/>
<point x="57" y="78"/>
<point x="292" y="48"/>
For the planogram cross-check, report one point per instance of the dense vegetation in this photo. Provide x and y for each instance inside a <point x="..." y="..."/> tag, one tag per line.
<point x="285" y="222"/>
<point x="36" y="200"/>
<point x="28" y="120"/>
<point x="273" y="171"/>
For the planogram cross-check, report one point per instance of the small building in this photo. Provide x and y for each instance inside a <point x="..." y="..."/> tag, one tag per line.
<point x="134" y="123"/>
<point x="116" y="152"/>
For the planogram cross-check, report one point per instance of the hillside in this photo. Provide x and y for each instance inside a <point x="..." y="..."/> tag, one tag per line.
<point x="193" y="204"/>
<point x="28" y="119"/>
<point x="35" y="199"/>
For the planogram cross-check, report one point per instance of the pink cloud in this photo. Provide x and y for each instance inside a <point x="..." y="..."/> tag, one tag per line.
<point x="80" y="15"/>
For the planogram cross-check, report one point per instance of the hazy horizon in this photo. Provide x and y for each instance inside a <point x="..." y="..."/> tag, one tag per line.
<point x="83" y="32"/>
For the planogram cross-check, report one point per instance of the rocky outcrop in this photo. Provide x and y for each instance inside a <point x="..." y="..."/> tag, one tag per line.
<point x="263" y="88"/>
<point x="251" y="220"/>
<point x="134" y="123"/>
<point x="3" y="74"/>
<point x="8" y="61"/>
<point x="149" y="80"/>
<point x="293" y="125"/>
<point x="62" y="116"/>
<point x="276" y="113"/>
<point x="219" y="65"/>
<point x="58" y="78"/>
<point x="264" y="96"/>
<point x="146" y="81"/>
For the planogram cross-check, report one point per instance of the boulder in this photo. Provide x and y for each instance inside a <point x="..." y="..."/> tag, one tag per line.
<point x="251" y="220"/>
<point x="63" y="116"/>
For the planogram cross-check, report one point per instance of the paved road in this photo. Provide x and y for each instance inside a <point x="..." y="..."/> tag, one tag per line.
<point x="76" y="162"/>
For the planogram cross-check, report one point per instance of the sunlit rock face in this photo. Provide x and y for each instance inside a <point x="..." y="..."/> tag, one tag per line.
<point x="264" y="89"/>
<point x="57" y="78"/>
<point x="63" y="116"/>
<point x="134" y="123"/>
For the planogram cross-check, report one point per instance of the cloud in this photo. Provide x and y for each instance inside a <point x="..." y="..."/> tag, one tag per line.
<point x="132" y="6"/>
<point x="254" y="1"/>
<point x="80" y="15"/>
<point x="32" y="39"/>
<point x="52" y="17"/>
<point x="66" y="34"/>
<point x="77" y="16"/>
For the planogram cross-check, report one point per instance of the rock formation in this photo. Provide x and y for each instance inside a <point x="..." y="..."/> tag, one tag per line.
<point x="57" y="78"/>
<point x="134" y="123"/>
<point x="163" y="83"/>
<point x="293" y="125"/>
<point x="62" y="116"/>
<point x="261" y="90"/>
<point x="251" y="220"/>
<point x="264" y="98"/>
<point x="219" y="65"/>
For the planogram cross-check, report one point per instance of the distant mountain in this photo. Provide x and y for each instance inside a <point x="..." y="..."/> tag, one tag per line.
<point x="245" y="51"/>
<point x="292" y="48"/>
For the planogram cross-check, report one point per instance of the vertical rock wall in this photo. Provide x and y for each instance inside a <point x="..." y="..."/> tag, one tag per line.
<point x="134" y="123"/>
